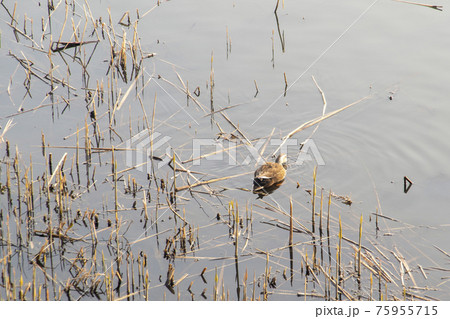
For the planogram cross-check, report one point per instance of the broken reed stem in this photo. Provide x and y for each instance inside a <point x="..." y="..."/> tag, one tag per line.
<point x="257" y="90"/>
<point x="209" y="181"/>
<point x="77" y="157"/>
<point x="439" y="8"/>
<point x="8" y="185"/>
<point x="337" y="274"/>
<point x="376" y="220"/>
<point x="313" y="201"/>
<point x="316" y="121"/>
<point x="174" y="165"/>
<point x="216" y="286"/>
<point x="87" y="151"/>
<point x="285" y="83"/>
<point x="244" y="286"/>
<point x="321" y="213"/>
<point x="31" y="184"/>
<point x="328" y="212"/>
<point x="276" y="7"/>
<point x="114" y="171"/>
<point x="211" y="88"/>
<point x="17" y="171"/>
<point x="175" y="212"/>
<point x="236" y="230"/>
<point x="266" y="277"/>
<point x="144" y="202"/>
<point x="58" y="166"/>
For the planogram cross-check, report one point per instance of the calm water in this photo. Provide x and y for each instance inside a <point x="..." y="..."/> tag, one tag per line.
<point x="394" y="52"/>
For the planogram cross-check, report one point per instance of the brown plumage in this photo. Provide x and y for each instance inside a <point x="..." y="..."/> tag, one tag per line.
<point x="270" y="176"/>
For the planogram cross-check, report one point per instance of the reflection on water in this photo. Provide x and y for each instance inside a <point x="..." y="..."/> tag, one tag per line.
<point x="264" y="191"/>
<point x="115" y="231"/>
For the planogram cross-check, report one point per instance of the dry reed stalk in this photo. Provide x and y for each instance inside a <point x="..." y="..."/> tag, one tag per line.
<point x="285" y="84"/>
<point x="276" y="209"/>
<point x="50" y="163"/>
<point x="376" y="220"/>
<point x="276" y="7"/>
<point x="280" y="34"/>
<point x="380" y="294"/>
<point x="123" y="57"/>
<point x="313" y="201"/>
<point x="305" y="286"/>
<point x="244" y="284"/>
<point x="178" y="189"/>
<point x="254" y="287"/>
<point x="7" y="127"/>
<point x="323" y="108"/>
<point x="7" y="259"/>
<point x="228" y="41"/>
<point x="174" y="211"/>
<point x="174" y="165"/>
<point x="321" y="214"/>
<point x="404" y="264"/>
<point x="263" y="148"/>
<point x="223" y="109"/>
<point x="191" y="174"/>
<point x="13" y="19"/>
<point x="126" y="15"/>
<point x="180" y="280"/>
<point x="114" y="171"/>
<point x="8" y="185"/>
<point x="144" y="203"/>
<point x="59" y="166"/>
<point x="211" y="88"/>
<point x="316" y="121"/>
<point x="213" y="153"/>
<point x="441" y="250"/>
<point x="235" y="127"/>
<point x="439" y="8"/>
<point x="337" y="286"/>
<point x="236" y="231"/>
<point x="18" y="178"/>
<point x="369" y="261"/>
<point x="33" y="289"/>
<point x="257" y="90"/>
<point x="92" y="17"/>
<point x="200" y="105"/>
<point x="31" y="69"/>
<point x="266" y="277"/>
<point x="422" y="271"/>
<point x="118" y="104"/>
<point x="216" y="286"/>
<point x="30" y="190"/>
<point x="87" y="150"/>
<point x="311" y="294"/>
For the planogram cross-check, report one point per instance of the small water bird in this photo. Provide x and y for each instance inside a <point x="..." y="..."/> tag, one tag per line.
<point x="270" y="176"/>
